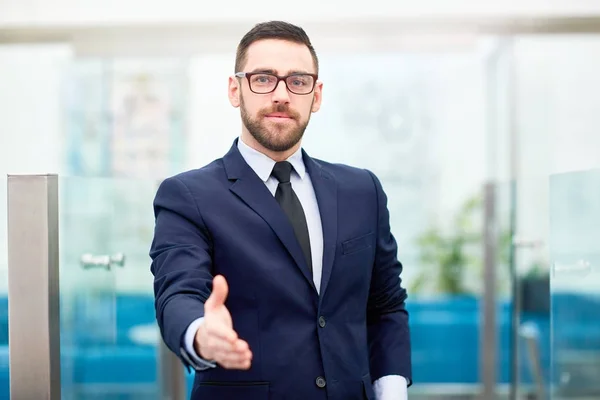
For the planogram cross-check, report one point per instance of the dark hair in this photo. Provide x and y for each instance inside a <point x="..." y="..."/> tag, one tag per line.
<point x="273" y="30"/>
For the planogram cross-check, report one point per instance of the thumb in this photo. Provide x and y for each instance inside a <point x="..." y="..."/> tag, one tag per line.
<point x="218" y="295"/>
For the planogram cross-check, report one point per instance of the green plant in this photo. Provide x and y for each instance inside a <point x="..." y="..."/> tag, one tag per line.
<point x="446" y="257"/>
<point x="537" y="270"/>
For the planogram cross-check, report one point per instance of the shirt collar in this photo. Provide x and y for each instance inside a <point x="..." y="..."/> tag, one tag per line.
<point x="263" y="164"/>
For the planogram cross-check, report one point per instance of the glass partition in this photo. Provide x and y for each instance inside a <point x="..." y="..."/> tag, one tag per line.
<point x="556" y="123"/>
<point x="4" y="377"/>
<point x="575" y="284"/>
<point x="109" y="336"/>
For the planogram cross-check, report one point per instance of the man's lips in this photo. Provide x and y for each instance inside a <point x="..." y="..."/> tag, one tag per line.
<point x="278" y="116"/>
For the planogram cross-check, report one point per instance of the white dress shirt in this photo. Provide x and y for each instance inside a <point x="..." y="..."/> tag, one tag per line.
<point x="391" y="387"/>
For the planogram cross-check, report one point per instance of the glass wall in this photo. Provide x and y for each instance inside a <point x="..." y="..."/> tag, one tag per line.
<point x="575" y="283"/>
<point x="557" y="142"/>
<point x="125" y="129"/>
<point x="109" y="338"/>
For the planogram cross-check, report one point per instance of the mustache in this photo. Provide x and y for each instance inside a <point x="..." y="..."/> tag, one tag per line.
<point x="280" y="108"/>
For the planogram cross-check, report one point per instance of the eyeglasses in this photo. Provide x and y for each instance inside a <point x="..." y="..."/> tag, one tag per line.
<point x="263" y="82"/>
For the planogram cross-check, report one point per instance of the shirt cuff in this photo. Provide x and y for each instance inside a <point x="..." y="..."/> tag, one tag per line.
<point x="188" y="341"/>
<point x="391" y="387"/>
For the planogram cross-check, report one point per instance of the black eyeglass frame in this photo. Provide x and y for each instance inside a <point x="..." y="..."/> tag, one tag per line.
<point x="249" y="75"/>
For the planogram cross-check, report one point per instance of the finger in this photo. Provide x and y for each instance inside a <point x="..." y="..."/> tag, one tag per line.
<point x="218" y="295"/>
<point x="233" y="360"/>
<point x="242" y="365"/>
<point x="233" y="356"/>
<point x="226" y="349"/>
<point x="241" y="346"/>
<point x="246" y="364"/>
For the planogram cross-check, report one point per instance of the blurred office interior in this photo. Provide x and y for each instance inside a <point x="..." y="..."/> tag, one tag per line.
<point x="481" y="121"/>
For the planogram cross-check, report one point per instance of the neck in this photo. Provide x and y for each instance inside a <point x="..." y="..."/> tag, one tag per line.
<point x="276" y="156"/>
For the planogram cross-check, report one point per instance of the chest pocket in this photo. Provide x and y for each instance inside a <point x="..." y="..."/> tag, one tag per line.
<point x="357" y="244"/>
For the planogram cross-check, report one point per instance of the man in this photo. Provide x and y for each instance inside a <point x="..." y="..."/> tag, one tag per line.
<point x="276" y="274"/>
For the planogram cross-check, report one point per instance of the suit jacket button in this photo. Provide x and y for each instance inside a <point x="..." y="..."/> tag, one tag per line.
<point x="322" y="322"/>
<point x="321" y="382"/>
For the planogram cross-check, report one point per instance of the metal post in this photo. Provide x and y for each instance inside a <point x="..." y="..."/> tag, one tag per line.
<point x="33" y="287"/>
<point x="488" y="339"/>
<point x="515" y="156"/>
<point x="171" y="374"/>
<point x="531" y="334"/>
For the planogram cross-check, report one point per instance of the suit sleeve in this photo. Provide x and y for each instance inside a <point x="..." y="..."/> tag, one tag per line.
<point x="387" y="318"/>
<point x="181" y="263"/>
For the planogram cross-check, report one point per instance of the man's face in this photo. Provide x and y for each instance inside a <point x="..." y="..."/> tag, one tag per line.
<point x="276" y="120"/>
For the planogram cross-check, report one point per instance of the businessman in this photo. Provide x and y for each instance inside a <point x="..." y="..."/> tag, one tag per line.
<point x="276" y="274"/>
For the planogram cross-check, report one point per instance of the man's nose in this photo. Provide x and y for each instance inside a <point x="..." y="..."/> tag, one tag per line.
<point x="281" y="94"/>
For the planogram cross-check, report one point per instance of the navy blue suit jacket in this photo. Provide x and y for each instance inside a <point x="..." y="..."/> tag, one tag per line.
<point x="222" y="219"/>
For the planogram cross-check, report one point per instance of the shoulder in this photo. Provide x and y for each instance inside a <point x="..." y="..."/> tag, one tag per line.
<point x="347" y="175"/>
<point x="202" y="179"/>
<point x="211" y="171"/>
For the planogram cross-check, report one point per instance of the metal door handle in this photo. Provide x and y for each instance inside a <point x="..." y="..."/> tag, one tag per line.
<point x="580" y="267"/>
<point x="522" y="242"/>
<point x="102" y="261"/>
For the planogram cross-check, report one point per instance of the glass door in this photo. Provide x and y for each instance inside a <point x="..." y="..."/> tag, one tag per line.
<point x="87" y="282"/>
<point x="108" y="333"/>
<point x="575" y="284"/>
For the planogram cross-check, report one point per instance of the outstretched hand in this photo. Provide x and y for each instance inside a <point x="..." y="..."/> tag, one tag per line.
<point x="215" y="339"/>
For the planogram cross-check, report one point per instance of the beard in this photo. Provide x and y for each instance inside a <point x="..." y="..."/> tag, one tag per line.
<point x="277" y="137"/>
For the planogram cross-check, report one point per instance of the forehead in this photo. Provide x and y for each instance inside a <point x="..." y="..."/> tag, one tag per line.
<point x="282" y="56"/>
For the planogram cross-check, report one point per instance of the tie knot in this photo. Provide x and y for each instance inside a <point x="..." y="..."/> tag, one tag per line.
<point x="282" y="171"/>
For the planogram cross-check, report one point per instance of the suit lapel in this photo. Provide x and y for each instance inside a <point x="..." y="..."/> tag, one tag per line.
<point x="252" y="190"/>
<point x="326" y="192"/>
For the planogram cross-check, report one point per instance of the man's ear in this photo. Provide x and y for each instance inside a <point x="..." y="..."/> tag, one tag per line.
<point x="318" y="97"/>
<point x="234" y="91"/>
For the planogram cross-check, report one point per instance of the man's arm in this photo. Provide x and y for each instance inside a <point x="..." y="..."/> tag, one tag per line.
<point x="181" y="264"/>
<point x="387" y="319"/>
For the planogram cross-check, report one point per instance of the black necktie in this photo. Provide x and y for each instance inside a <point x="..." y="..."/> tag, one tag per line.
<point x="287" y="199"/>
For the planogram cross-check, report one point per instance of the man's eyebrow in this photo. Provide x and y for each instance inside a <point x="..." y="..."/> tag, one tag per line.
<point x="272" y="71"/>
<point x="298" y="71"/>
<point x="263" y="70"/>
